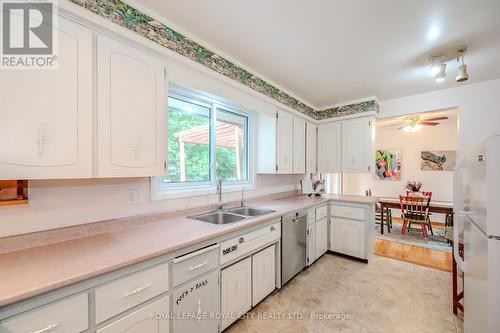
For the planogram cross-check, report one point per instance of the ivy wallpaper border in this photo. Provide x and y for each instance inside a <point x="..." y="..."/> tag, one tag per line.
<point x="126" y="16"/>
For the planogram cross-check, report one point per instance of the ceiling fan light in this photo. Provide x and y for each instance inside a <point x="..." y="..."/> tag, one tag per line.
<point x="412" y="128"/>
<point x="462" y="74"/>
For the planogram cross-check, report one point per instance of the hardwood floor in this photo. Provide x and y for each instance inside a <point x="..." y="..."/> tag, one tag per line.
<point x="414" y="254"/>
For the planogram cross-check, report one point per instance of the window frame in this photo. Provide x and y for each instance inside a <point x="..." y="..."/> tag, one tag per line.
<point x="161" y="190"/>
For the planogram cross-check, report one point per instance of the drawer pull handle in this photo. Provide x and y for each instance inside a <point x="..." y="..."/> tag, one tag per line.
<point x="46" y="329"/>
<point x="193" y="268"/>
<point x="273" y="228"/>
<point x="138" y="290"/>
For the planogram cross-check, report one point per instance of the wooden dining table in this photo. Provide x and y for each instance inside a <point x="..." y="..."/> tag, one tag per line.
<point x="439" y="207"/>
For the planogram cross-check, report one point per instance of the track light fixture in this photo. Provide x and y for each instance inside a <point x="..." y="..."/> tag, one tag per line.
<point x="440" y="58"/>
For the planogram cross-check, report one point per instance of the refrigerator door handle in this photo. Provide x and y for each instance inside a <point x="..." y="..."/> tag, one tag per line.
<point x="458" y="200"/>
<point x="458" y="229"/>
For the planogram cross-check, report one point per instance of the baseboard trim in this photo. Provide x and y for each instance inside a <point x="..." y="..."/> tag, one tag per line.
<point x="348" y="256"/>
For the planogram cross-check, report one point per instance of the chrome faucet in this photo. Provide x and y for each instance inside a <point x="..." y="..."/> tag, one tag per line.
<point x="242" y="202"/>
<point x="220" y="205"/>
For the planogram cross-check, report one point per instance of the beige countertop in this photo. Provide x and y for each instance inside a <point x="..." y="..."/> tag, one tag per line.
<point x="33" y="271"/>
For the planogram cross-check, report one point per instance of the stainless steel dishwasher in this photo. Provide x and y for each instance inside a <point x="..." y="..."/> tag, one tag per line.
<point x="293" y="244"/>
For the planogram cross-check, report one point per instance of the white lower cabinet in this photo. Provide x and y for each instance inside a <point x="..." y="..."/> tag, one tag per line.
<point x="321" y="229"/>
<point x="348" y="236"/>
<point x="311" y="244"/>
<point x="236" y="291"/>
<point x="67" y="315"/>
<point x="140" y="321"/>
<point x="195" y="305"/>
<point x="263" y="274"/>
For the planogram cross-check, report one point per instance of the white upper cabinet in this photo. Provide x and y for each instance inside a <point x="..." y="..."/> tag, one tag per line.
<point x="299" y="145"/>
<point x="311" y="130"/>
<point x="357" y="145"/>
<point x="131" y="111"/>
<point x="329" y="147"/>
<point x="46" y="115"/>
<point x="284" y="142"/>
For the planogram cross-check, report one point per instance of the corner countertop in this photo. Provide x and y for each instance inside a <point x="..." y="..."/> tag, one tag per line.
<point x="34" y="271"/>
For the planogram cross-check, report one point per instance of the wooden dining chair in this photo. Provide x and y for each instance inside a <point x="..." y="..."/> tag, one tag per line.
<point x="429" y="224"/>
<point x="415" y="210"/>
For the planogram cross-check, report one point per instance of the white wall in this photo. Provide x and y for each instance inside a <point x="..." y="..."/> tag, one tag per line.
<point x="61" y="203"/>
<point x="478" y="104"/>
<point x="479" y="113"/>
<point x="442" y="137"/>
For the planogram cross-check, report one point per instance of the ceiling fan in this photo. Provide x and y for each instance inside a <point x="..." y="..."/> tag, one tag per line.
<point x="415" y="123"/>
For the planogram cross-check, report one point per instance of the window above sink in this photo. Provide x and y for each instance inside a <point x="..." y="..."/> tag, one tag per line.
<point x="208" y="139"/>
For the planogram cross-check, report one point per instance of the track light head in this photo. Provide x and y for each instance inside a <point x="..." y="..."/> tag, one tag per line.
<point x="462" y="74"/>
<point x="441" y="74"/>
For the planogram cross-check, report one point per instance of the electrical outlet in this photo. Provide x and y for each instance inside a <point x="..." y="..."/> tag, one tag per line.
<point x="133" y="195"/>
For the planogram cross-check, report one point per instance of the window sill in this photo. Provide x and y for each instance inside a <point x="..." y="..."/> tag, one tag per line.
<point x="162" y="193"/>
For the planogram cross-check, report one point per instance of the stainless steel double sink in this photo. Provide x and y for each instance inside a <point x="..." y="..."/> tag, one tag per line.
<point x="231" y="215"/>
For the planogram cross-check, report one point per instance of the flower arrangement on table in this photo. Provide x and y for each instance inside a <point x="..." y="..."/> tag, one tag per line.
<point x="413" y="186"/>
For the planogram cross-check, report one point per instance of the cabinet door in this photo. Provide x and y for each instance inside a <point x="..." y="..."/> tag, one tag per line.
<point x="299" y="145"/>
<point x="195" y="304"/>
<point x="311" y="148"/>
<point x="311" y="244"/>
<point x="284" y="142"/>
<point x="357" y="145"/>
<point x="321" y="237"/>
<point x="140" y="320"/>
<point x="263" y="274"/>
<point x="46" y="115"/>
<point x="236" y="291"/>
<point x="131" y="111"/>
<point x="329" y="148"/>
<point x="348" y="237"/>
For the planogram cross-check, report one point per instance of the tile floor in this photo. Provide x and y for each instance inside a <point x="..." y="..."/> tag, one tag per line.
<point x="384" y="296"/>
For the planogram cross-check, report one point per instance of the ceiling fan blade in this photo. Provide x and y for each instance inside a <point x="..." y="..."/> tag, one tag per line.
<point x="428" y="123"/>
<point x="393" y="125"/>
<point x="401" y="127"/>
<point x="435" y="118"/>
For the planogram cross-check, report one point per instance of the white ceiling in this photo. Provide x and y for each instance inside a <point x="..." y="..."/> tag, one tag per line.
<point x="327" y="52"/>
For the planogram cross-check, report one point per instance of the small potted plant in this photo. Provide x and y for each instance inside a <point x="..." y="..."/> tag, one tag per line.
<point x="413" y="187"/>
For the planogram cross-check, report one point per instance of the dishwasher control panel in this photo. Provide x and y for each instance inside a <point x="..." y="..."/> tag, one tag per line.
<point x="241" y="245"/>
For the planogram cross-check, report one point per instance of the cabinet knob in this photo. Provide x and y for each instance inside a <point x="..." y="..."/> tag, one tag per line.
<point x="242" y="240"/>
<point x="273" y="228"/>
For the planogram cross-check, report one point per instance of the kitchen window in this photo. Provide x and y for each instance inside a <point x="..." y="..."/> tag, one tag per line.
<point x="207" y="141"/>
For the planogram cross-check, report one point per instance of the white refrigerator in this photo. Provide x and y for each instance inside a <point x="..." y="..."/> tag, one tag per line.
<point x="477" y="221"/>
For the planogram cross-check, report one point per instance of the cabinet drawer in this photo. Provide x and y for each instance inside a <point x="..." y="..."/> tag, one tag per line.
<point x="194" y="264"/>
<point x="348" y="212"/>
<point x="321" y="212"/>
<point x="66" y="316"/>
<point x="125" y="293"/>
<point x="140" y="321"/>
